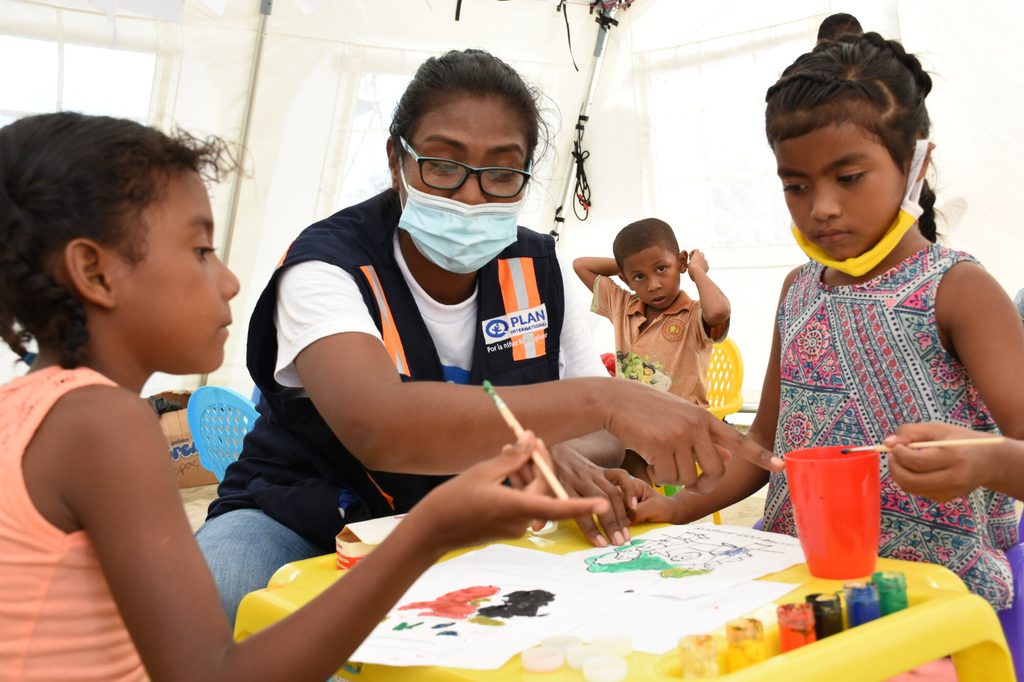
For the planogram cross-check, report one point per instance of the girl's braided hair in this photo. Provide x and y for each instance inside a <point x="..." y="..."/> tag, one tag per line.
<point x="865" y="80"/>
<point x="65" y="176"/>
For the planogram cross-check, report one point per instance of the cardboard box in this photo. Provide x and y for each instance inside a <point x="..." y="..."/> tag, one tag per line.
<point x="349" y="550"/>
<point x="356" y="540"/>
<point x="184" y="456"/>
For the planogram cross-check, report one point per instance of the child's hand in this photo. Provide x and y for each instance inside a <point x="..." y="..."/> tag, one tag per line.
<point x="476" y="506"/>
<point x="583" y="478"/>
<point x="939" y="473"/>
<point x="528" y="477"/>
<point x="697" y="263"/>
<point x="675" y="436"/>
<point x="654" y="507"/>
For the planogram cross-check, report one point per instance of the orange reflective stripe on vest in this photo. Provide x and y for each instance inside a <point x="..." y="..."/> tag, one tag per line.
<point x="519" y="292"/>
<point x="389" y="332"/>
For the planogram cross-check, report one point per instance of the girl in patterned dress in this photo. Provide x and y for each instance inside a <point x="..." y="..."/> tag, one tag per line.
<point x="883" y="327"/>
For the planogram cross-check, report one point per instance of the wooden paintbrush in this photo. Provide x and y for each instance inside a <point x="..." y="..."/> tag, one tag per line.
<point x="956" y="442"/>
<point x="517" y="429"/>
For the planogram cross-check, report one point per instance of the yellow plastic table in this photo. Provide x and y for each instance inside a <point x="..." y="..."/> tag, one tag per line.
<point x="942" y="619"/>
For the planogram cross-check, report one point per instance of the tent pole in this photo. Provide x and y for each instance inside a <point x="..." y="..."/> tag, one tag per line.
<point x="606" y="20"/>
<point x="236" y="188"/>
<point x="266" y="7"/>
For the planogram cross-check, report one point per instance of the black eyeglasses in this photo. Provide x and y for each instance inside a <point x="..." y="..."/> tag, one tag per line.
<point x="495" y="181"/>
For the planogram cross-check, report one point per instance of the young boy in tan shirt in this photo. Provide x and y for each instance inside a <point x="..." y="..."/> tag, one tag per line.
<point x="662" y="336"/>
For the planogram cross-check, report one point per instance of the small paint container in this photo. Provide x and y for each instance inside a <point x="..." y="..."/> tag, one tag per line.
<point x="892" y="591"/>
<point x="862" y="604"/>
<point x="542" y="659"/>
<point x="744" y="638"/>
<point x="796" y="625"/>
<point x="698" y="656"/>
<point x="828" y="614"/>
<point x="562" y="642"/>
<point x="604" y="668"/>
<point x="613" y="645"/>
<point x="577" y="654"/>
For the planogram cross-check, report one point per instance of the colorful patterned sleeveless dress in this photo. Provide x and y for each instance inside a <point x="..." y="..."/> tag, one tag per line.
<point x="858" y="361"/>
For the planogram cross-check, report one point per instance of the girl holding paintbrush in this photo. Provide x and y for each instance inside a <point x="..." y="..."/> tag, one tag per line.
<point x="956" y="461"/>
<point x="883" y="331"/>
<point x="105" y="228"/>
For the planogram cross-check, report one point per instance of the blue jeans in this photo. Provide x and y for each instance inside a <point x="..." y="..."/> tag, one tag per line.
<point x="243" y="548"/>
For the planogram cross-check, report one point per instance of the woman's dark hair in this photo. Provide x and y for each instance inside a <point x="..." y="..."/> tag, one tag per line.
<point x="469" y="71"/>
<point x="865" y="80"/>
<point x="642" y="234"/>
<point x="65" y="176"/>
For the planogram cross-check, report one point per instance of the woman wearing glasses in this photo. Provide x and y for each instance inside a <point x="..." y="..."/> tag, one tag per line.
<point x="371" y="339"/>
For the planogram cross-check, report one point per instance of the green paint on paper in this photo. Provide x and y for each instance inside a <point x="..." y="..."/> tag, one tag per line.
<point x="484" y="620"/>
<point x="406" y="626"/>
<point x="643" y="561"/>
<point x="678" y="572"/>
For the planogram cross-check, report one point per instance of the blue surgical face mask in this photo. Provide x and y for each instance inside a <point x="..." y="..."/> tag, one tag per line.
<point x="456" y="236"/>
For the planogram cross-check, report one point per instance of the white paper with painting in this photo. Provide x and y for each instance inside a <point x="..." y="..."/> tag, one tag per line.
<point x="480" y="609"/>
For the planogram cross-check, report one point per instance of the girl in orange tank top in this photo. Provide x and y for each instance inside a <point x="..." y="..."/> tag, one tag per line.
<point x="107" y="263"/>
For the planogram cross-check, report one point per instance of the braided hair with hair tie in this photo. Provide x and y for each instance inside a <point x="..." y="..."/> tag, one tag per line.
<point x="912" y="63"/>
<point x="16" y="270"/>
<point x="65" y="176"/>
<point x="865" y="80"/>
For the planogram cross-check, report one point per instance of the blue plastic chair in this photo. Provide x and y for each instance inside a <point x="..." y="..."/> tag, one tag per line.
<point x="1013" y="617"/>
<point x="219" y="418"/>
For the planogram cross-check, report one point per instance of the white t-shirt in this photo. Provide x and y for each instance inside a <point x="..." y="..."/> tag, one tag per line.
<point x="316" y="300"/>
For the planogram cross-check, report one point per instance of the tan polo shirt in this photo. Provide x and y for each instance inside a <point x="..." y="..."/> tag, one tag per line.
<point x="671" y="353"/>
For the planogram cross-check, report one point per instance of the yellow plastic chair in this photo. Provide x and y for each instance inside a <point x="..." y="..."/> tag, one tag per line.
<point x="725" y="385"/>
<point x="725" y="379"/>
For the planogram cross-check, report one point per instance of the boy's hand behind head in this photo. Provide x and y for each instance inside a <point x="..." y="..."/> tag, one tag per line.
<point x="696" y="261"/>
<point x="477" y="506"/>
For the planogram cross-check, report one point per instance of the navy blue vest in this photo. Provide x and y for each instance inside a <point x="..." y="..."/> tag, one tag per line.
<point x="292" y="466"/>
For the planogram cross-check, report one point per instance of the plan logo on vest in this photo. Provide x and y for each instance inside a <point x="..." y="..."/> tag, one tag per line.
<point x="499" y="329"/>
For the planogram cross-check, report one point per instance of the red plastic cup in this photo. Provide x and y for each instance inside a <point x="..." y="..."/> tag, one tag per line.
<point x="837" y="508"/>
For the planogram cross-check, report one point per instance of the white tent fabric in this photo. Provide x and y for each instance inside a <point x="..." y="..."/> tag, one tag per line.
<point x="676" y="127"/>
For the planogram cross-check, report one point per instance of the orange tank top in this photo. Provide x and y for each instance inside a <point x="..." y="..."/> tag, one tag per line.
<point x="58" y="620"/>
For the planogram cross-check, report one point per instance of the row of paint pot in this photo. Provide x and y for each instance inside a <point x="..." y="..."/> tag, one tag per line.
<point x="604" y="659"/>
<point x="819" y="616"/>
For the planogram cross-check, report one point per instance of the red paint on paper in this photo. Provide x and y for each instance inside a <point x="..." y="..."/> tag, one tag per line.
<point x="458" y="604"/>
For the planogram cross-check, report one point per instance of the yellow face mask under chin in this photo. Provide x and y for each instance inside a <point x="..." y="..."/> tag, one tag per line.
<point x="910" y="210"/>
<point x="865" y="262"/>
